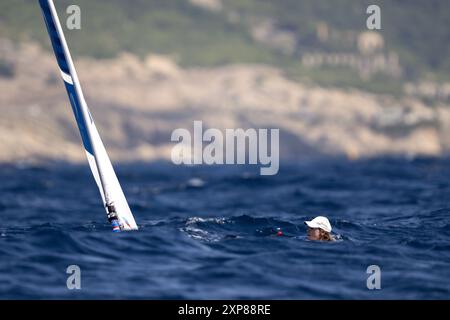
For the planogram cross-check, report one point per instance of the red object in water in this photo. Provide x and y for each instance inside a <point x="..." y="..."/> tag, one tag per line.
<point x="279" y="233"/>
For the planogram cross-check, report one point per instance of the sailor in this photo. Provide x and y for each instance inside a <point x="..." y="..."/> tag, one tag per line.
<point x="112" y="217"/>
<point x="319" y="229"/>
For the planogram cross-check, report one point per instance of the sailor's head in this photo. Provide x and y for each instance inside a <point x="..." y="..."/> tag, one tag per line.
<point x="319" y="228"/>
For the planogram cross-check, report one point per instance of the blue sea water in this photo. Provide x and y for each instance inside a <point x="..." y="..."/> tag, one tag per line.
<point x="210" y="232"/>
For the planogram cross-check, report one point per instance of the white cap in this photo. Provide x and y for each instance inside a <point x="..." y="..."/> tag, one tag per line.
<point x="319" y="222"/>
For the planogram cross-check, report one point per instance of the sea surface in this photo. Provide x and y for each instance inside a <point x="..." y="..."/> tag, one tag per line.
<point x="210" y="232"/>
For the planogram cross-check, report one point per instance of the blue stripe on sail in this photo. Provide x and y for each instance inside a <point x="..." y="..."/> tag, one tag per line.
<point x="76" y="107"/>
<point x="54" y="37"/>
<point x="63" y="65"/>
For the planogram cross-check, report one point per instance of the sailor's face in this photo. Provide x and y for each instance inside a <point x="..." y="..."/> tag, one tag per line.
<point x="313" y="233"/>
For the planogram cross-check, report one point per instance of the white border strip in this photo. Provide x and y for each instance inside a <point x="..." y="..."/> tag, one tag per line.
<point x="67" y="78"/>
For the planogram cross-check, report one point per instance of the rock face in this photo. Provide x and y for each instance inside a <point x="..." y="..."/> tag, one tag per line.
<point x="137" y="103"/>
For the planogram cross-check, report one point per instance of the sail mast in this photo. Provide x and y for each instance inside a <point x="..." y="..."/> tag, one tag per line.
<point x="77" y="86"/>
<point x="98" y="159"/>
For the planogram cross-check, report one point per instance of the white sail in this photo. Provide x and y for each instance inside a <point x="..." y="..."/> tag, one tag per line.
<point x="102" y="169"/>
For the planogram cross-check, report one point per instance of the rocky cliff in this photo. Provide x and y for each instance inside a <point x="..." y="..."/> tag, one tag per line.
<point x="137" y="103"/>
